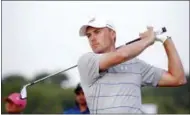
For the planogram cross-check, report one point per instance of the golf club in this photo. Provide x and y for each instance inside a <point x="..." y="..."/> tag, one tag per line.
<point x="23" y="91"/>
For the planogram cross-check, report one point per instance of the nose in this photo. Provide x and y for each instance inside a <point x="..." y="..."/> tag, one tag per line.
<point x="93" y="38"/>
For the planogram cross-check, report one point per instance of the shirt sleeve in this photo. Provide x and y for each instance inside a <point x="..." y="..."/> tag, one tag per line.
<point x="150" y="74"/>
<point x="88" y="66"/>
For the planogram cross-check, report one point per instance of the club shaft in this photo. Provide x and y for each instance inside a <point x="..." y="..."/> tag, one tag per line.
<point x="133" y="41"/>
<point x="52" y="75"/>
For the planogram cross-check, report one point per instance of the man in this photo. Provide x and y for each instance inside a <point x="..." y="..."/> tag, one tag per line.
<point x="14" y="104"/>
<point x="81" y="106"/>
<point x="112" y="77"/>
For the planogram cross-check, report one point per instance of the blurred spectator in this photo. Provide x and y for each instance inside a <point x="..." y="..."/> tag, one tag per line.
<point x="80" y="100"/>
<point x="14" y="104"/>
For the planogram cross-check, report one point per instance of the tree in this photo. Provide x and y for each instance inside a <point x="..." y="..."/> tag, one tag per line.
<point x="56" y="79"/>
<point x="14" y="78"/>
<point x="170" y="100"/>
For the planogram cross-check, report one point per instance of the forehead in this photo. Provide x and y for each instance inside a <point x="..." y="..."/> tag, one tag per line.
<point x="89" y="29"/>
<point x="92" y="29"/>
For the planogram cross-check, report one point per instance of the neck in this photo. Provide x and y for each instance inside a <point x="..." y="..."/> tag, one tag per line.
<point x="110" y="49"/>
<point x="82" y="107"/>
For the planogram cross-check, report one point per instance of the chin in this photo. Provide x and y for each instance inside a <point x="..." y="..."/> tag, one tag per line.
<point x="97" y="51"/>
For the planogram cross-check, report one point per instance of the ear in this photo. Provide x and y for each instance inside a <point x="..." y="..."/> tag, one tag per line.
<point x="113" y="33"/>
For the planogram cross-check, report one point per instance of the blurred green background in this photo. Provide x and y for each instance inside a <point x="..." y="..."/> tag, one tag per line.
<point x="51" y="97"/>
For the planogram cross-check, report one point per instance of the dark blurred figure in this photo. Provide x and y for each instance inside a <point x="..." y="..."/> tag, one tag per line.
<point x="80" y="100"/>
<point x="14" y="104"/>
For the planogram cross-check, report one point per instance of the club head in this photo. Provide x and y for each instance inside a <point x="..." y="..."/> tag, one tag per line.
<point x="23" y="92"/>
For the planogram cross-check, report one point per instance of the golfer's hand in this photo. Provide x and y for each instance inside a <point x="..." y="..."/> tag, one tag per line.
<point x="149" y="35"/>
<point x="162" y="38"/>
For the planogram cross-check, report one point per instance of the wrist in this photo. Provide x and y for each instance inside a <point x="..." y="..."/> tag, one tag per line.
<point x="163" y="39"/>
<point x="147" y="42"/>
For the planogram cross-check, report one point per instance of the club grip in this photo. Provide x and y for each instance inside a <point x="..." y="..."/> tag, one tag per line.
<point x="163" y="30"/>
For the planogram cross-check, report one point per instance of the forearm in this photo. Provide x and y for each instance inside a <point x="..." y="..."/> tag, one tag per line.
<point x="122" y="54"/>
<point x="175" y="67"/>
<point x="132" y="50"/>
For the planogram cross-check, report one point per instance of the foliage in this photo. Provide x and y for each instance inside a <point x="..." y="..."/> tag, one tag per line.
<point x="49" y="97"/>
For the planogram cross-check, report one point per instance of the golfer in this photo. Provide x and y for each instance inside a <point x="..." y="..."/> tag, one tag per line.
<point x="13" y="104"/>
<point x="112" y="78"/>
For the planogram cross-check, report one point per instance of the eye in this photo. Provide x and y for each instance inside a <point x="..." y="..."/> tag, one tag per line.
<point x="88" y="35"/>
<point x="97" y="31"/>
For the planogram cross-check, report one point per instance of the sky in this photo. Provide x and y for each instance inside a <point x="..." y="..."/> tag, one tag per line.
<point x="43" y="36"/>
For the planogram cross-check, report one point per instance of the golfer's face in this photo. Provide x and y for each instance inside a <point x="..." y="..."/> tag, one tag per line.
<point x="100" y="39"/>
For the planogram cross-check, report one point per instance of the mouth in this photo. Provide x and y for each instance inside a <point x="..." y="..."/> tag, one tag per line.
<point x="94" y="45"/>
